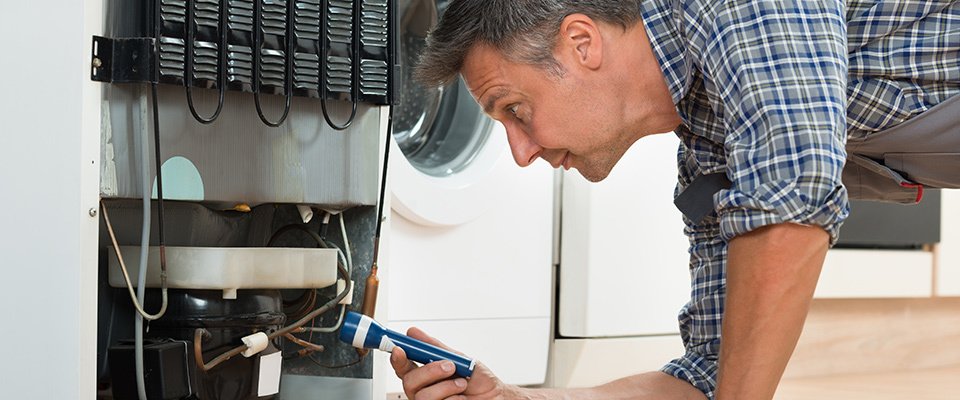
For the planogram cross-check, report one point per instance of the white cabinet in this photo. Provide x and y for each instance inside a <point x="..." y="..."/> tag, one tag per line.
<point x="624" y="264"/>
<point x="883" y="273"/>
<point x="853" y="273"/>
<point x="948" y="252"/>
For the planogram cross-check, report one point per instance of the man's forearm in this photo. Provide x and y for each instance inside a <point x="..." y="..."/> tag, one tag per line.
<point x="651" y="385"/>
<point x="771" y="276"/>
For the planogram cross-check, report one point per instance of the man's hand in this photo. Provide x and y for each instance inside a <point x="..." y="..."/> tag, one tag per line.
<point x="437" y="381"/>
<point x="771" y="275"/>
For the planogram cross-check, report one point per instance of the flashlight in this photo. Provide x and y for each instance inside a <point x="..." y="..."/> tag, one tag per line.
<point x="363" y="332"/>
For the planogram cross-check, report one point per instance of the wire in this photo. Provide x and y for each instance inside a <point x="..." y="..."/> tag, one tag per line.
<point x="257" y="48"/>
<point x="138" y="320"/>
<point x="188" y="62"/>
<point x="346" y="244"/>
<point x="159" y="164"/>
<point x="383" y="185"/>
<point x="359" y="359"/>
<point x="349" y="263"/>
<point x="126" y="275"/>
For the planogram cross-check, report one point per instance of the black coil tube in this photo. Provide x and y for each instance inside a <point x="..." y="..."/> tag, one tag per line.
<point x="354" y="73"/>
<point x="257" y="44"/>
<point x="221" y="61"/>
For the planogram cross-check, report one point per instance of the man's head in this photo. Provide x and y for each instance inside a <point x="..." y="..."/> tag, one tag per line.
<point x="569" y="79"/>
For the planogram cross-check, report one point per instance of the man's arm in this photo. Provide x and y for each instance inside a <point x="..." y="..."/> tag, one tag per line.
<point x="771" y="275"/>
<point x="435" y="381"/>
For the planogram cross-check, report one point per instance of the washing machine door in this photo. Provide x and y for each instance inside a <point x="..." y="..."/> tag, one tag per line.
<point x="452" y="154"/>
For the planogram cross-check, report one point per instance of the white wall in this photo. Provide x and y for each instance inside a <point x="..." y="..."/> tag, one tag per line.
<point x="49" y="138"/>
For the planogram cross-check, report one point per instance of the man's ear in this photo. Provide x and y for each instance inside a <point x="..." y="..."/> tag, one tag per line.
<point x="580" y="41"/>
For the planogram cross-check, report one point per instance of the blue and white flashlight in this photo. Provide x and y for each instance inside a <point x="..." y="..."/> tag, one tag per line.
<point x="363" y="332"/>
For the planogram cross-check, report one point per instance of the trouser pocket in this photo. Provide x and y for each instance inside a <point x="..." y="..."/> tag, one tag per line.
<point x="938" y="170"/>
<point x="867" y="179"/>
<point x="893" y="164"/>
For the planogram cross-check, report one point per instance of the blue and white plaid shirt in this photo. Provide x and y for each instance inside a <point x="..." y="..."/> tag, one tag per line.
<point x="768" y="92"/>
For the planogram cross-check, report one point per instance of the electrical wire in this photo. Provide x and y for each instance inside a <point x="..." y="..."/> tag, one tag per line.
<point x="159" y="165"/>
<point x="348" y="260"/>
<point x="383" y="185"/>
<point x="141" y="288"/>
<point x="257" y="48"/>
<point x="188" y="62"/>
<point x="346" y="244"/>
<point x="321" y="365"/>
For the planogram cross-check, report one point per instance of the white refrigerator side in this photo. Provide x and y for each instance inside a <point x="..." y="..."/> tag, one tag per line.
<point x="49" y="156"/>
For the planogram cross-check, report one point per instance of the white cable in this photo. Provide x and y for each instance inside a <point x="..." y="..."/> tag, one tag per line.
<point x="144" y="250"/>
<point x="346" y="244"/>
<point x="348" y="266"/>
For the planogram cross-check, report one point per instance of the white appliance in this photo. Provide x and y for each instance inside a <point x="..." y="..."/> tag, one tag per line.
<point x="470" y="257"/>
<point x="623" y="271"/>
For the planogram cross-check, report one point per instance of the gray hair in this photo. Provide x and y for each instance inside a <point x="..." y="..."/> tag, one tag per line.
<point x="524" y="31"/>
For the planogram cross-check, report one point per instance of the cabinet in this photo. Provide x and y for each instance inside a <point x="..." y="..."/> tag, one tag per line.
<point x="947" y="278"/>
<point x="899" y="273"/>
<point x="623" y="261"/>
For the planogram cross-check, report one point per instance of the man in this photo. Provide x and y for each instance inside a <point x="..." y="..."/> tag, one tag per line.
<point x="763" y="95"/>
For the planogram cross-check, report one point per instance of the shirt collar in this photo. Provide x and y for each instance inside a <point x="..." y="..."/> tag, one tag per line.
<point x="660" y="21"/>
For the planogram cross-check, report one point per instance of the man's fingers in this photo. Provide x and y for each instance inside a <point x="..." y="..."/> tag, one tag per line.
<point x="418" y="379"/>
<point x="401" y="365"/>
<point x="444" y="389"/>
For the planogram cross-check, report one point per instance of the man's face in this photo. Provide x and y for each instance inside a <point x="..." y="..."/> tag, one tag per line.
<point x="570" y="121"/>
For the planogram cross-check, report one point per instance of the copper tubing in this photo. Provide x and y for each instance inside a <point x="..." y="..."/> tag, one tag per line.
<point x="303" y="343"/>
<point x="370" y="293"/>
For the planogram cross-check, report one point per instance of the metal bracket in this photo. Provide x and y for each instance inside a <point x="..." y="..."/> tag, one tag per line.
<point x="124" y="60"/>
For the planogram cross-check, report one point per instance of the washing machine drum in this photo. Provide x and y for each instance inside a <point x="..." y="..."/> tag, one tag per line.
<point x="439" y="130"/>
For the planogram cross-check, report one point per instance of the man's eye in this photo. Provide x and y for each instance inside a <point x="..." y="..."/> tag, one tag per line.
<point x="513" y="109"/>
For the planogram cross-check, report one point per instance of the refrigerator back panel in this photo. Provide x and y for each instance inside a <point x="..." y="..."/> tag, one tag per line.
<point x="258" y="101"/>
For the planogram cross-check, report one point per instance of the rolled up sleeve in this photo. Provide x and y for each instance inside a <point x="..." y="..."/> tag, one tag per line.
<point x="779" y="69"/>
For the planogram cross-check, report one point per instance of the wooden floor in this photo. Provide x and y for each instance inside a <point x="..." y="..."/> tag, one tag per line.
<point x="928" y="384"/>
<point x="877" y="350"/>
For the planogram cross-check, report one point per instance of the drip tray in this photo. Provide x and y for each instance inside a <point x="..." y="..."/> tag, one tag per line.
<point x="230" y="268"/>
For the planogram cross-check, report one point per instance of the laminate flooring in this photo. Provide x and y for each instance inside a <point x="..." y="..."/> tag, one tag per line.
<point x="925" y="384"/>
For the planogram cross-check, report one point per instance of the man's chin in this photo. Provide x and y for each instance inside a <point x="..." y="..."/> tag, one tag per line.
<point x="593" y="175"/>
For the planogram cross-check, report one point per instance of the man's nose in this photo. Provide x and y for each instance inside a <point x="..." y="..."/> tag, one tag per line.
<point x="524" y="150"/>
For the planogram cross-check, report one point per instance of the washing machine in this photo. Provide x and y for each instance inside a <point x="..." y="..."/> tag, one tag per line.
<point x="470" y="258"/>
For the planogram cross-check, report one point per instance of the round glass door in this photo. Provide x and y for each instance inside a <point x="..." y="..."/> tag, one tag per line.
<point x="439" y="130"/>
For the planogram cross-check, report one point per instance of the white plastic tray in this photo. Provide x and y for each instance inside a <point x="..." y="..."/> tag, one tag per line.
<point x="229" y="269"/>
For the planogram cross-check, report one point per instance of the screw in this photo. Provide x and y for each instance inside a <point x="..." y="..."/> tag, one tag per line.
<point x="97" y="63"/>
<point x="92" y="212"/>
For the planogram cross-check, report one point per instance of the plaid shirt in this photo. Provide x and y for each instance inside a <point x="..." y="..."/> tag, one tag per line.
<point x="768" y="92"/>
